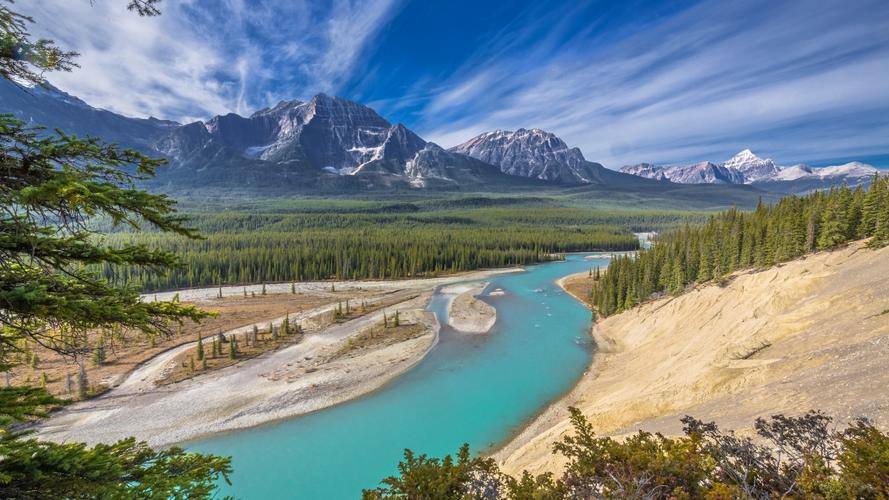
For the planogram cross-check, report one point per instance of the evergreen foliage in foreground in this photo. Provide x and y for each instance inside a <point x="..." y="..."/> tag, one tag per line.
<point x="127" y="469"/>
<point x="794" y="458"/>
<point x="734" y="240"/>
<point x="50" y="184"/>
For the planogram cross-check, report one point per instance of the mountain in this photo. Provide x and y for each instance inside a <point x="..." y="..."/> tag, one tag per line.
<point x="751" y="167"/>
<point x="800" y="179"/>
<point x="531" y="153"/>
<point x="327" y="143"/>
<point x="747" y="168"/>
<point x="704" y="172"/>
<point x="52" y="108"/>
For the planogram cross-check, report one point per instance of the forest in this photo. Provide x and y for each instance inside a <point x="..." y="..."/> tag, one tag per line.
<point x="733" y="240"/>
<point x="369" y="241"/>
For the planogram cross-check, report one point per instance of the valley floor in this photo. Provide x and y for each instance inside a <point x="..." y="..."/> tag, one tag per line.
<point x="331" y="364"/>
<point x="809" y="334"/>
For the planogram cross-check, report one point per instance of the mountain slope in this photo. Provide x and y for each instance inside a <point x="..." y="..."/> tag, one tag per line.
<point x="747" y="168"/>
<point x="530" y="153"/>
<point x="541" y="155"/>
<point x="51" y="108"/>
<point x="810" y="334"/>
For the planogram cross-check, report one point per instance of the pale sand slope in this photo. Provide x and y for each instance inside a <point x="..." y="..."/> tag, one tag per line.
<point x="826" y="318"/>
<point x="298" y="379"/>
<point x="467" y="313"/>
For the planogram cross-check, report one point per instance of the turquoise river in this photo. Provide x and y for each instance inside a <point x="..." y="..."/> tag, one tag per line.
<point x="477" y="389"/>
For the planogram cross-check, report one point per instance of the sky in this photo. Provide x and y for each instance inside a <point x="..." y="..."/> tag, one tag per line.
<point x="625" y="81"/>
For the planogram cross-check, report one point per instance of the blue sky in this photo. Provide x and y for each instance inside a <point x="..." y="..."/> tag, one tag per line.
<point x="626" y="81"/>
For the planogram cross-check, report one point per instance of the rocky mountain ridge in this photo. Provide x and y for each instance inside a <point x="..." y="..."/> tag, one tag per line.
<point x="747" y="168"/>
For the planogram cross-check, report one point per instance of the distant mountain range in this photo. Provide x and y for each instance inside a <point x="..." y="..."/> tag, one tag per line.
<point x="747" y="168"/>
<point x="324" y="143"/>
<point x="331" y="144"/>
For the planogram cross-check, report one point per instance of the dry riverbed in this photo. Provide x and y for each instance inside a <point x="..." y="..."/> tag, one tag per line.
<point x="333" y="362"/>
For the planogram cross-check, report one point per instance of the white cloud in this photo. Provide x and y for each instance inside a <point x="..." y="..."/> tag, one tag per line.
<point x="202" y="58"/>
<point x="773" y="76"/>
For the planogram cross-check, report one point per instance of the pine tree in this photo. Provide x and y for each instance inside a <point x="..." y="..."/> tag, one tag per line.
<point x="263" y="289"/>
<point x="255" y="334"/>
<point x="191" y="364"/>
<point x="82" y="383"/>
<point x="833" y="227"/>
<point x="285" y="325"/>
<point x="396" y="321"/>
<point x="200" y="348"/>
<point x="99" y="353"/>
<point x="233" y="348"/>
<point x="881" y="230"/>
<point x="293" y="288"/>
<point x="677" y="279"/>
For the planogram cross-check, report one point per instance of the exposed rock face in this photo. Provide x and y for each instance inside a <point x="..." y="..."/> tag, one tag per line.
<point x="751" y="167"/>
<point x="747" y="168"/>
<point x="530" y="153"/>
<point x="704" y="172"/>
<point x="331" y="134"/>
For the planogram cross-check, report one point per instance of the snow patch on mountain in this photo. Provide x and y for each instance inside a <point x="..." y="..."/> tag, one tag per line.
<point x="747" y="168"/>
<point x="528" y="153"/>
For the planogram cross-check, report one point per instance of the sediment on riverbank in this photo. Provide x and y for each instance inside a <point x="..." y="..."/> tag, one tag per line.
<point x="329" y="365"/>
<point x="466" y="312"/>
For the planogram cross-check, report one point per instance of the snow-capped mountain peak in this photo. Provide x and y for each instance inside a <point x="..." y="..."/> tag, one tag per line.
<point x="747" y="168"/>
<point x="529" y="153"/>
<point x="751" y="167"/>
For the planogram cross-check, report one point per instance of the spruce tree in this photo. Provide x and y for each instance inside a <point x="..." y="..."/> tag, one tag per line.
<point x="200" y="347"/>
<point x="82" y="383"/>
<point x="53" y="187"/>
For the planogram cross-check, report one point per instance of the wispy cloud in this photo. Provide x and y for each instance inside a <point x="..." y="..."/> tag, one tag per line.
<point x="796" y="80"/>
<point x="206" y="57"/>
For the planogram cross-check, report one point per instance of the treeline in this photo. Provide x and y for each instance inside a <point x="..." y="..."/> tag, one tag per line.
<point x="733" y="240"/>
<point x="356" y="249"/>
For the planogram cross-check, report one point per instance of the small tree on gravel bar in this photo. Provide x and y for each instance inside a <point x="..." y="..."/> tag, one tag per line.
<point x="200" y="348"/>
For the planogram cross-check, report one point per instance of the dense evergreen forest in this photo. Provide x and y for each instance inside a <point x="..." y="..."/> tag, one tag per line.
<point x="366" y="241"/>
<point x="733" y="240"/>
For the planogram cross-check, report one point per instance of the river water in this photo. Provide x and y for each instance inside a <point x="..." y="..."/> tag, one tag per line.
<point x="478" y="389"/>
